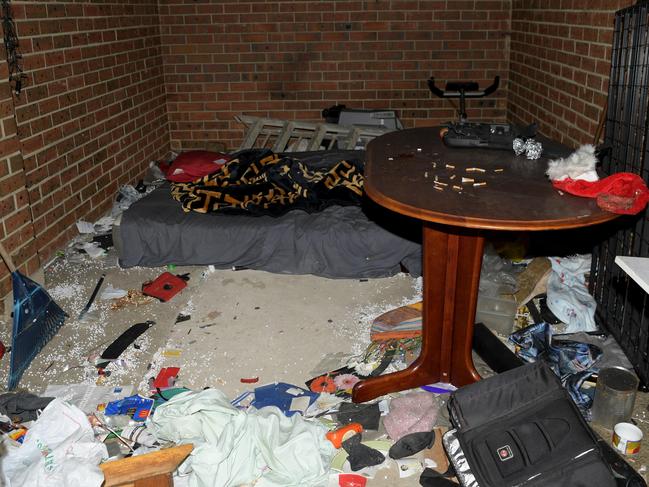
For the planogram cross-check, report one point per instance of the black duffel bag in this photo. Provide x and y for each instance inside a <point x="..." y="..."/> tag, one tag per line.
<point x="520" y="428"/>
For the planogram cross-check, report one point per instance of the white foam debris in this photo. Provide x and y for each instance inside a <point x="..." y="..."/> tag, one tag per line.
<point x="359" y="321"/>
<point x="217" y="349"/>
<point x="65" y="291"/>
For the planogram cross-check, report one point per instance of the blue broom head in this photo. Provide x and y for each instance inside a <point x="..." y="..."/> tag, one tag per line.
<point x="36" y="320"/>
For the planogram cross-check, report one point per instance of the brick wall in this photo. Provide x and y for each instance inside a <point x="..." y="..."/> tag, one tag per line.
<point x="291" y="59"/>
<point x="16" y="230"/>
<point x="93" y="112"/>
<point x="110" y="83"/>
<point x="560" y="63"/>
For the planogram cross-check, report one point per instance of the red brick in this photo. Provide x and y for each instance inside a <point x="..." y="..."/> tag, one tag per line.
<point x="110" y="89"/>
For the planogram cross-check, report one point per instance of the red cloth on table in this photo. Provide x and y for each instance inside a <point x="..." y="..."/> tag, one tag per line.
<point x="624" y="193"/>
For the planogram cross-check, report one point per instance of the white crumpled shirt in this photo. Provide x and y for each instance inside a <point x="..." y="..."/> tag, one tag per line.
<point x="234" y="447"/>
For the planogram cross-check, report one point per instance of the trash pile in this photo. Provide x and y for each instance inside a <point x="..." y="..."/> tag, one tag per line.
<point x="282" y="433"/>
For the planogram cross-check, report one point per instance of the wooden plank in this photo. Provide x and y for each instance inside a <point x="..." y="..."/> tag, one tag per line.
<point x="352" y="138"/>
<point x="251" y="134"/>
<point x="284" y="137"/>
<point x="346" y="136"/>
<point x="130" y="470"/>
<point x="318" y="135"/>
<point x="164" y="480"/>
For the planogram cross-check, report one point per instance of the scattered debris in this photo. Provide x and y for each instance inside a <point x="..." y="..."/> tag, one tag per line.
<point x="166" y="379"/>
<point x="173" y="352"/>
<point x="133" y="297"/>
<point x="112" y="293"/>
<point x="182" y="317"/>
<point x="165" y="286"/>
<point x="249" y="380"/>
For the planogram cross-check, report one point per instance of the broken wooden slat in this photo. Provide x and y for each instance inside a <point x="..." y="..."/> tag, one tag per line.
<point x="352" y="138"/>
<point x="293" y="132"/>
<point x="252" y="134"/>
<point x="284" y="137"/>
<point x="318" y="135"/>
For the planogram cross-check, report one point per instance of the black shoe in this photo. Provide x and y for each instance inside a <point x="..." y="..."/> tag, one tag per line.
<point x="411" y="444"/>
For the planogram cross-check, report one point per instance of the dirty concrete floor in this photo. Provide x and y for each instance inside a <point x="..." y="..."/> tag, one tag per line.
<point x="243" y="324"/>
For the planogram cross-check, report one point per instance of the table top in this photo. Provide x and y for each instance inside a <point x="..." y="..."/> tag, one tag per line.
<point x="402" y="166"/>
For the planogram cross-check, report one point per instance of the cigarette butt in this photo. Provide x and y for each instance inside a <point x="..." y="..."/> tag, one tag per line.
<point x="468" y="180"/>
<point x="500" y="169"/>
<point x="457" y="188"/>
<point x="480" y="184"/>
<point x="434" y="165"/>
<point x="474" y="169"/>
<point x="438" y="188"/>
<point x="450" y="166"/>
<point x="425" y="174"/>
<point x="441" y="183"/>
<point x="436" y="178"/>
<point x="452" y="177"/>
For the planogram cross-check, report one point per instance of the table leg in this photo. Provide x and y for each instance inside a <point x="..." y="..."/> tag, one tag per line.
<point x="452" y="258"/>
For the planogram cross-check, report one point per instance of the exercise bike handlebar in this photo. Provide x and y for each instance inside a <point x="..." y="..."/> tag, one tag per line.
<point x="466" y="94"/>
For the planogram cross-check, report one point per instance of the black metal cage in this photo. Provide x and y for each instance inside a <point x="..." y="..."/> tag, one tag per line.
<point x="622" y="305"/>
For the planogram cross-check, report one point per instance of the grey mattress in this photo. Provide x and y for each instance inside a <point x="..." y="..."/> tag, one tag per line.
<point x="339" y="242"/>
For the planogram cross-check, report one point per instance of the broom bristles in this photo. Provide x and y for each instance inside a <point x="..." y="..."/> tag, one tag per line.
<point x="37" y="318"/>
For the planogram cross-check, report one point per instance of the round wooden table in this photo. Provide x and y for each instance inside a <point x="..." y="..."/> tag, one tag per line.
<point x="413" y="173"/>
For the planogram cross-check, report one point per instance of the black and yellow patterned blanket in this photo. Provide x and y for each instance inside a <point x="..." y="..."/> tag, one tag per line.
<point x="260" y="182"/>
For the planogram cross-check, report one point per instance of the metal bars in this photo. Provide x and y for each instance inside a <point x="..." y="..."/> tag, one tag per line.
<point x="622" y="306"/>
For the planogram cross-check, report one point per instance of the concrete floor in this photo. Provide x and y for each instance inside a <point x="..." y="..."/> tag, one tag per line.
<point x="243" y="324"/>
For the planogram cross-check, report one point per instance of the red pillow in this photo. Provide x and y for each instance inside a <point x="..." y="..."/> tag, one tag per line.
<point x="194" y="164"/>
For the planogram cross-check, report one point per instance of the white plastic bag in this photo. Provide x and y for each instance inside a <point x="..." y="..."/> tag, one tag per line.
<point x="568" y="296"/>
<point x="59" y="450"/>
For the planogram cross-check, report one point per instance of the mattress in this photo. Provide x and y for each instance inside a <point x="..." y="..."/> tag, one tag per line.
<point x="338" y="242"/>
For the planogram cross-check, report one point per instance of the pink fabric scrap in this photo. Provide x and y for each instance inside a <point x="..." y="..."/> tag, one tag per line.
<point x="412" y="413"/>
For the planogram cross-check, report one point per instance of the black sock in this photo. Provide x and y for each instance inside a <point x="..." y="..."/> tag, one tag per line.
<point x="361" y="456"/>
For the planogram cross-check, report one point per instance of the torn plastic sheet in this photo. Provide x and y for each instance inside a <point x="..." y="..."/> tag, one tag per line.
<point x="59" y="450"/>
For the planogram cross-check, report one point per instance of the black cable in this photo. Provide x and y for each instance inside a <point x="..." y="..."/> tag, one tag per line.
<point x="160" y="394"/>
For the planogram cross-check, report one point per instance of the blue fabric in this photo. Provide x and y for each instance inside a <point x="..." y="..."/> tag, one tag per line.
<point x="572" y="361"/>
<point x="281" y="395"/>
